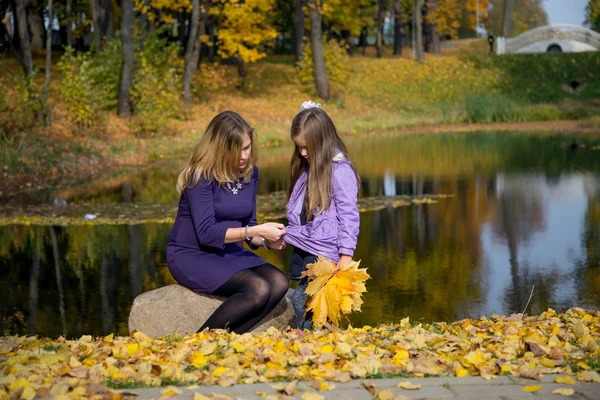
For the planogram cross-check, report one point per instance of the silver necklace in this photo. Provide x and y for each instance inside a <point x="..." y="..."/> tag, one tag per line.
<point x="234" y="189"/>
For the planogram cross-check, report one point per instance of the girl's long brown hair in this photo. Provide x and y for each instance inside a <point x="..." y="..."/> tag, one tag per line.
<point x="217" y="155"/>
<point x="322" y="144"/>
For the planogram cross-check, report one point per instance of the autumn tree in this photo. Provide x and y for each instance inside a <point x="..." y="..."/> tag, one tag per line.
<point x="349" y="17"/>
<point x="445" y="16"/>
<point x="526" y="14"/>
<point x="244" y="30"/>
<point x="299" y="29"/>
<point x="592" y="14"/>
<point x="472" y="9"/>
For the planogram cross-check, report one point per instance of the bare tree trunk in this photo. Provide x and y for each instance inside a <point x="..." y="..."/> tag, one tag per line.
<point x="299" y="30"/>
<point x="106" y="19"/>
<point x="437" y="42"/>
<point x="316" y="39"/>
<point x="59" y="285"/>
<point x="212" y="39"/>
<point x="380" y="11"/>
<point x="36" y="27"/>
<point x="69" y="24"/>
<point x="127" y="70"/>
<point x="200" y="31"/>
<point x="181" y="28"/>
<point x="418" y="52"/>
<point x="24" y="38"/>
<point x="46" y="111"/>
<point x="507" y="21"/>
<point x="191" y="43"/>
<point x="94" y="8"/>
<point x="397" y="27"/>
<point x="362" y="40"/>
<point x="427" y="28"/>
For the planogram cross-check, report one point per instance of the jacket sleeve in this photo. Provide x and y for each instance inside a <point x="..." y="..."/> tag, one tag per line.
<point x="208" y="230"/>
<point x="345" y="198"/>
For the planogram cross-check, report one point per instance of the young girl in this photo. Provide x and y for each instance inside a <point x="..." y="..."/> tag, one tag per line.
<point x="217" y="212"/>
<point x="322" y="208"/>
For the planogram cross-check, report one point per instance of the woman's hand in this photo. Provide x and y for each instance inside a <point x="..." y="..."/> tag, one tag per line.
<point x="344" y="259"/>
<point x="278" y="245"/>
<point x="272" y="231"/>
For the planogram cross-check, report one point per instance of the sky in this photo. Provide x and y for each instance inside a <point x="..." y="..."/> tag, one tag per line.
<point x="565" y="11"/>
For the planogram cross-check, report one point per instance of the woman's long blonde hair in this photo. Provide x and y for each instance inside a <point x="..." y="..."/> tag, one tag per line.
<point x="322" y="143"/>
<point x="217" y="156"/>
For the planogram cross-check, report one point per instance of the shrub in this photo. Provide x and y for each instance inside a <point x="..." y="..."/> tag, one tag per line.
<point x="336" y="65"/>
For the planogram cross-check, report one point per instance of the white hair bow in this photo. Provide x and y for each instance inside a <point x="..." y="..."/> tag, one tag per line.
<point x="310" y="104"/>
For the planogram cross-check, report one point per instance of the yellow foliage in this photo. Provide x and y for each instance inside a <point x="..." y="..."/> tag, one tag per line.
<point x="349" y="15"/>
<point x="331" y="293"/>
<point x="446" y="16"/>
<point x="162" y="10"/>
<point x="245" y="28"/>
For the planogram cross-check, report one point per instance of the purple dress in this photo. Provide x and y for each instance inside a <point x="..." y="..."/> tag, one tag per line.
<point x="197" y="255"/>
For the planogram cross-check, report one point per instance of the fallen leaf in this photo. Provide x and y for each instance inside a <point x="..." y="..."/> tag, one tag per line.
<point x="408" y="386"/>
<point x="528" y="372"/>
<point x="588" y="376"/>
<point x="312" y="396"/>
<point x="170" y="391"/>
<point x="563" y="391"/>
<point x="567" y="380"/>
<point x="386" y="395"/>
<point x="532" y="389"/>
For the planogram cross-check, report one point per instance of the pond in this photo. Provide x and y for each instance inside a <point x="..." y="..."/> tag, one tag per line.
<point x="523" y="212"/>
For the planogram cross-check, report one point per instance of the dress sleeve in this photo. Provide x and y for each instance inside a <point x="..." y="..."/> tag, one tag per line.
<point x="345" y="198"/>
<point x="252" y="221"/>
<point x="201" y="202"/>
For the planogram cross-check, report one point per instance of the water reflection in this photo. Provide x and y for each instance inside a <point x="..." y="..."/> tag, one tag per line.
<point x="516" y="220"/>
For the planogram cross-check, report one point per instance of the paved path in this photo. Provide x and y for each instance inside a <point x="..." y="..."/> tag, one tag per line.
<point x="500" y="388"/>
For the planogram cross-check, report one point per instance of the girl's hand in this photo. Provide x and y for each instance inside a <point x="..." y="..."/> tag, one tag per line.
<point x="272" y="231"/>
<point x="344" y="259"/>
<point x="278" y="245"/>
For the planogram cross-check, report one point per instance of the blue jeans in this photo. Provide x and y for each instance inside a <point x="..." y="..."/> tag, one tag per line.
<point x="298" y="298"/>
<point x="300" y="259"/>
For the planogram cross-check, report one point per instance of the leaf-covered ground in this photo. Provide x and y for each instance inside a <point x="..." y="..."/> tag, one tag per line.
<point x="269" y="207"/>
<point x="517" y="345"/>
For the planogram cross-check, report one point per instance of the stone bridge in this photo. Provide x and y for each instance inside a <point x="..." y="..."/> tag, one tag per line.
<point x="551" y="38"/>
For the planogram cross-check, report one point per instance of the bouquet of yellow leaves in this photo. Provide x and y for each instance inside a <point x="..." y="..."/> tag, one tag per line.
<point x="332" y="293"/>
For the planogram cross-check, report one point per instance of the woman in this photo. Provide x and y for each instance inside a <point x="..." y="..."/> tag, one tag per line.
<point x="217" y="212"/>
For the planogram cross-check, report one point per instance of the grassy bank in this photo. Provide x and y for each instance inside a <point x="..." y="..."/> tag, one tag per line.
<point x="518" y="345"/>
<point x="464" y="86"/>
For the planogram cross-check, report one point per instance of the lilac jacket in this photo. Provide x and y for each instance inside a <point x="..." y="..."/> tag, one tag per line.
<point x="335" y="231"/>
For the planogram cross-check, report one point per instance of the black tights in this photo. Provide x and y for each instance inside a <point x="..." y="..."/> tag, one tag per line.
<point x="252" y="293"/>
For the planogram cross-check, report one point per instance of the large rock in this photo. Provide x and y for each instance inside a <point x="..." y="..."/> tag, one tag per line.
<point x="175" y="309"/>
